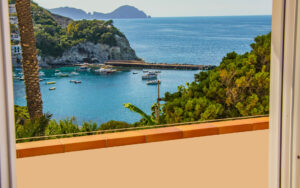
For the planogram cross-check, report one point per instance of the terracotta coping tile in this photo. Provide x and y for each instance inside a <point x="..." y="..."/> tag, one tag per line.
<point x="197" y="130"/>
<point x="83" y="143"/>
<point x="30" y="149"/>
<point x="162" y="134"/>
<point x="234" y="126"/>
<point x="124" y="138"/>
<point x="45" y="147"/>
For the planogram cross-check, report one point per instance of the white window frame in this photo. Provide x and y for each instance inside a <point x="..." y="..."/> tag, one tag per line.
<point x="7" y="127"/>
<point x="285" y="103"/>
<point x="284" y="170"/>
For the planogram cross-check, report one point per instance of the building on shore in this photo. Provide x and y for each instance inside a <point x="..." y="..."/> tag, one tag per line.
<point x="12" y="9"/>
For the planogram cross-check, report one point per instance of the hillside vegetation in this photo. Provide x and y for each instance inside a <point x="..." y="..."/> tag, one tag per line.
<point x="239" y="86"/>
<point x="53" y="40"/>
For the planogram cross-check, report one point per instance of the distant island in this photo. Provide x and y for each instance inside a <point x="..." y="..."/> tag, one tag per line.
<point x="123" y="12"/>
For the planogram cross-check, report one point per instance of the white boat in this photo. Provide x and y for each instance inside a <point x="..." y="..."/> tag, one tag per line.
<point x="21" y="78"/>
<point x="60" y="74"/>
<point x="153" y="82"/>
<point x="84" y="68"/>
<point x="135" y="73"/>
<point x="72" y="81"/>
<point x="52" y="88"/>
<point x="74" y="73"/>
<point x="149" y="76"/>
<point x="41" y="74"/>
<point x="105" y="71"/>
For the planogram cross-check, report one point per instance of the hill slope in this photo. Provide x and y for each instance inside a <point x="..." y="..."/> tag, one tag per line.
<point x="123" y="12"/>
<point x="63" y="41"/>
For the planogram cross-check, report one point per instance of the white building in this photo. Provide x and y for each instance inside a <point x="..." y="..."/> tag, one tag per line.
<point x="12" y="9"/>
<point x="16" y="49"/>
<point x="15" y="36"/>
<point x="13" y="20"/>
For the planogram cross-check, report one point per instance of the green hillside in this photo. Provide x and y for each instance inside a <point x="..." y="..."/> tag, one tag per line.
<point x="238" y="87"/>
<point x="52" y="39"/>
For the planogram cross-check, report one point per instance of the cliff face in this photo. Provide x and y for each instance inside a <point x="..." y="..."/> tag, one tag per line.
<point x="61" y="20"/>
<point x="92" y="53"/>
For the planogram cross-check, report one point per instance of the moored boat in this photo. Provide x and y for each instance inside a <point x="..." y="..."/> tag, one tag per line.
<point x="105" y="71"/>
<point x="41" y="74"/>
<point x="72" y="81"/>
<point x="149" y="76"/>
<point x="84" y="68"/>
<point x="74" y="73"/>
<point x="77" y="82"/>
<point x="52" y="88"/>
<point x="49" y="83"/>
<point x="153" y="82"/>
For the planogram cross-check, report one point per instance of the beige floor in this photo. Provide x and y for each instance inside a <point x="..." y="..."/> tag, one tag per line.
<point x="237" y="160"/>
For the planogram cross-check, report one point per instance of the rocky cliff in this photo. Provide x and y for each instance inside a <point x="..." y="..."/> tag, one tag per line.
<point x="62" y="41"/>
<point x="92" y="53"/>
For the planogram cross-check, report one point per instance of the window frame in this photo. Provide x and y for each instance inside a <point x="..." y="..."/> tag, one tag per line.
<point x="281" y="97"/>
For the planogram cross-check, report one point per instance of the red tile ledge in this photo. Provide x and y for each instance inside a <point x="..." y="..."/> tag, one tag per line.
<point x="46" y="147"/>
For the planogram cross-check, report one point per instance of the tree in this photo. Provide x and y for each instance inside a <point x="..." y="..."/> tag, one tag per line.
<point x="29" y="62"/>
<point x="149" y="119"/>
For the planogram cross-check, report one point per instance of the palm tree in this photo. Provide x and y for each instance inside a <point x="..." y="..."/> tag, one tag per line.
<point x="29" y="62"/>
<point x="149" y="119"/>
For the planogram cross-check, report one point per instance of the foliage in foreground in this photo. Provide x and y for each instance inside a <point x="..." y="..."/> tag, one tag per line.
<point x="238" y="87"/>
<point x="45" y="126"/>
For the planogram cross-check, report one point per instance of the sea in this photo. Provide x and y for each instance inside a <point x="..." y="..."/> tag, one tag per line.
<point x="186" y="40"/>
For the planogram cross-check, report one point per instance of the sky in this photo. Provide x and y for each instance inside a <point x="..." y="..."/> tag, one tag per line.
<point x="170" y="8"/>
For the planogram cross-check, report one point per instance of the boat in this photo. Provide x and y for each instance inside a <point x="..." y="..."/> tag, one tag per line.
<point x="135" y="73"/>
<point x="149" y="76"/>
<point x="77" y="82"/>
<point x="74" y="73"/>
<point x="52" y="88"/>
<point x="145" y="71"/>
<point x="57" y="70"/>
<point x="72" y="81"/>
<point x="21" y="78"/>
<point x="153" y="82"/>
<point x="49" y="83"/>
<point x="158" y="71"/>
<point x="83" y="68"/>
<point x="105" y="71"/>
<point x="41" y="74"/>
<point x="60" y="74"/>
<point x="41" y="80"/>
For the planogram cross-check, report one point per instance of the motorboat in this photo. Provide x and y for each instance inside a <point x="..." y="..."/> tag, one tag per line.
<point x="84" y="68"/>
<point x="60" y="74"/>
<point x="41" y="74"/>
<point x="49" y="83"/>
<point x="153" y="82"/>
<point x="149" y="76"/>
<point x="105" y="71"/>
<point x="77" y="82"/>
<point x="135" y="73"/>
<point x="52" y="88"/>
<point x="72" y="81"/>
<point x="74" y="73"/>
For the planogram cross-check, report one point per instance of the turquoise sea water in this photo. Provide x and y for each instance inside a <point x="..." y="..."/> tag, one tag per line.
<point x="194" y="40"/>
